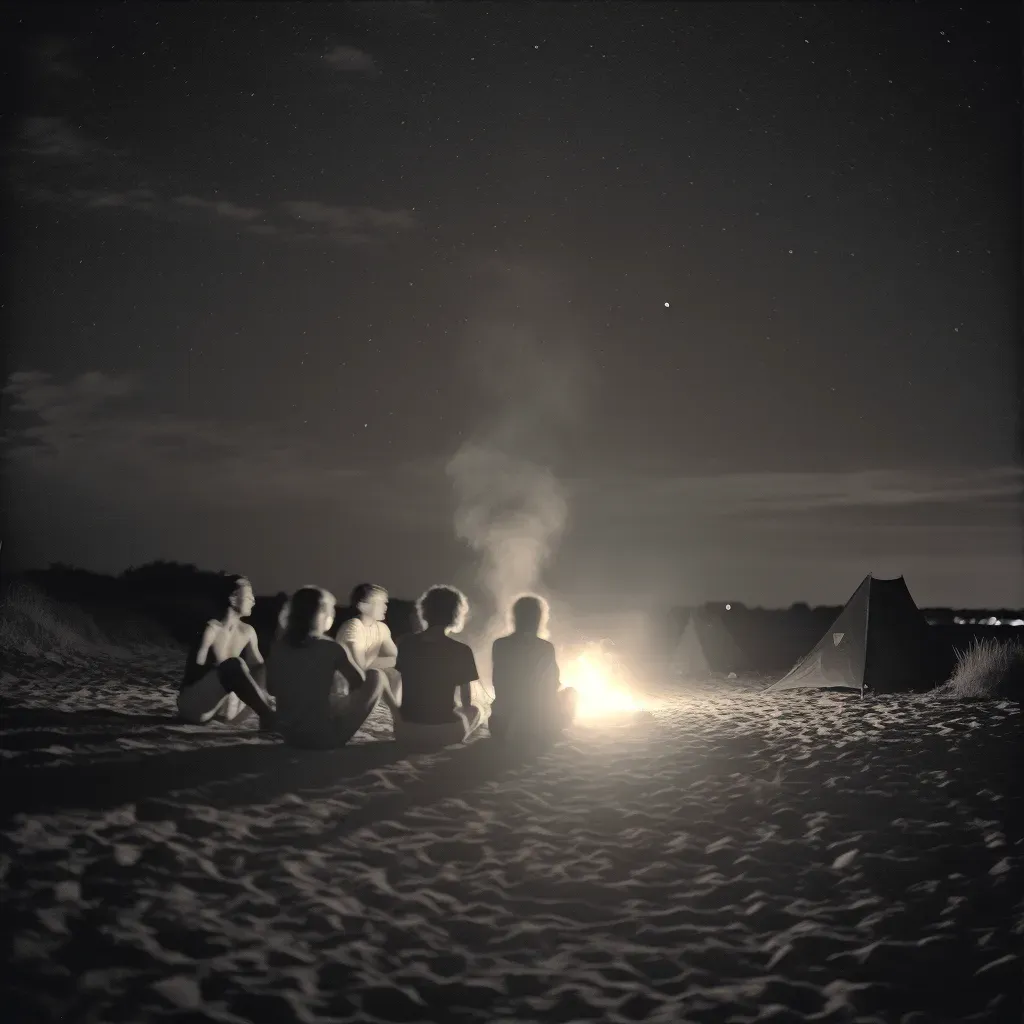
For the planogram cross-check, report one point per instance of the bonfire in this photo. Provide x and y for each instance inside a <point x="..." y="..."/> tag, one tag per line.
<point x="601" y="681"/>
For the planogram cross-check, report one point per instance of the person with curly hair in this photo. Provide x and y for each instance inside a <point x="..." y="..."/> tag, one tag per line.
<point x="434" y="666"/>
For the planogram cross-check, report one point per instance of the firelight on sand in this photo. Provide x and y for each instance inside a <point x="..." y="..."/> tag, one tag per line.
<point x="600" y="693"/>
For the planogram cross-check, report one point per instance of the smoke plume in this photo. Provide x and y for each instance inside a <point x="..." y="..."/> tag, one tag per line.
<point x="511" y="512"/>
<point x="511" y="508"/>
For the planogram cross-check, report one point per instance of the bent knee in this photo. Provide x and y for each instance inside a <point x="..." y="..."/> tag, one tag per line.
<point x="230" y="670"/>
<point x="376" y="680"/>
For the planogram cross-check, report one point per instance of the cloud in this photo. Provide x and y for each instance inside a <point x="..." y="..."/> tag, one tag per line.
<point x="775" y="538"/>
<point x="52" y="58"/>
<point x="53" y="138"/>
<point x="31" y="391"/>
<point x="221" y="208"/>
<point x="88" y="456"/>
<point x="58" y="165"/>
<point x="351" y="60"/>
<point x="95" y="432"/>
<point x="291" y="220"/>
<point x="348" y="223"/>
<point x="764" y="495"/>
<point x="770" y="536"/>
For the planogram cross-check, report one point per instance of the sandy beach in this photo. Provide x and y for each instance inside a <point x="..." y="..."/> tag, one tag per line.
<point x="732" y="858"/>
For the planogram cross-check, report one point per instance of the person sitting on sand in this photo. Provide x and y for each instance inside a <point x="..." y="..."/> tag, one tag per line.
<point x="218" y="681"/>
<point x="525" y="677"/>
<point x="316" y="710"/>
<point x="433" y="667"/>
<point x="367" y="636"/>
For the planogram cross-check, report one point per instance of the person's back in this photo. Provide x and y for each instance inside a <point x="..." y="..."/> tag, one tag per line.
<point x="525" y="677"/>
<point x="433" y="666"/>
<point x="523" y="670"/>
<point x="302" y="678"/>
<point x="302" y="671"/>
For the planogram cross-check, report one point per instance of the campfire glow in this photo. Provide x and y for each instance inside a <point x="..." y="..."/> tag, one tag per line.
<point x="601" y="692"/>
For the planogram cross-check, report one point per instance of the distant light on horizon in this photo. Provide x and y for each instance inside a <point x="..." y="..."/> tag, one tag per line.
<point x="728" y="607"/>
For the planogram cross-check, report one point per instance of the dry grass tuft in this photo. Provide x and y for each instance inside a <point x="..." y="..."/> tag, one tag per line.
<point x="988" y="668"/>
<point x="34" y="623"/>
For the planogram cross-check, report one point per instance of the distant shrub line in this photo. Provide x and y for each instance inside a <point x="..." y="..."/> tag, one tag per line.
<point x="161" y="605"/>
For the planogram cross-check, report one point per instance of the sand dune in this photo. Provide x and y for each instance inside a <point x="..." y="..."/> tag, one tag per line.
<point x="733" y="858"/>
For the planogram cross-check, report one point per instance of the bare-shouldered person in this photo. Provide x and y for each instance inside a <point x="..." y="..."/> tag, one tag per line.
<point x="218" y="680"/>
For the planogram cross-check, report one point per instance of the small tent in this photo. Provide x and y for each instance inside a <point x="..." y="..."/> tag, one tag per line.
<point x="879" y="642"/>
<point x="705" y="647"/>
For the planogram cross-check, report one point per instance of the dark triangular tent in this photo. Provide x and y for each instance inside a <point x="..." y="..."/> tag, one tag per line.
<point x="880" y="642"/>
<point x="706" y="647"/>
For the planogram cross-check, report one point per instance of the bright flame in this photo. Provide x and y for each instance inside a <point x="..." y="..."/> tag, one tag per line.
<point x="599" y="692"/>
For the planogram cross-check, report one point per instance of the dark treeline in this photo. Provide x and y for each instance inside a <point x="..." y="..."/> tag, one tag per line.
<point x="773" y="640"/>
<point x="179" y="597"/>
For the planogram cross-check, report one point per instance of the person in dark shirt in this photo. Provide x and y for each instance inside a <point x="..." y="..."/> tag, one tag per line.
<point x="433" y="666"/>
<point x="218" y="680"/>
<point x="323" y="697"/>
<point x="524" y="673"/>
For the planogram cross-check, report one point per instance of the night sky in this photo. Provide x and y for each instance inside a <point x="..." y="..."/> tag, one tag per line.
<point x="674" y="303"/>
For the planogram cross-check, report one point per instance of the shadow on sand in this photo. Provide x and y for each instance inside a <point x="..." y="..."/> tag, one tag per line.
<point x="32" y="729"/>
<point x="225" y="774"/>
<point x="12" y="717"/>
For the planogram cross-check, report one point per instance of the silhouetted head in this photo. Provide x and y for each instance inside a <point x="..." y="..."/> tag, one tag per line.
<point x="238" y="595"/>
<point x="371" y="600"/>
<point x="443" y="607"/>
<point x="530" y="614"/>
<point x="309" y="613"/>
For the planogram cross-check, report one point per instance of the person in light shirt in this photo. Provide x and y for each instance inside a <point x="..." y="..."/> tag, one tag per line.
<point x="367" y="638"/>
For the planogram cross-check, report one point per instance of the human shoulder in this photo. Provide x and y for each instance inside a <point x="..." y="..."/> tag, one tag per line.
<point x="461" y="650"/>
<point x="351" y="629"/>
<point x="211" y="629"/>
<point x="317" y="648"/>
<point x="409" y="640"/>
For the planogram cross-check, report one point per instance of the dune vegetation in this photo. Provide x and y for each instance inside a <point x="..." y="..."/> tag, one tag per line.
<point x="34" y="623"/>
<point x="988" y="668"/>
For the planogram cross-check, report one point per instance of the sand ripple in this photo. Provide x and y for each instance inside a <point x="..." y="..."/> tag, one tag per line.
<point x="735" y="858"/>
